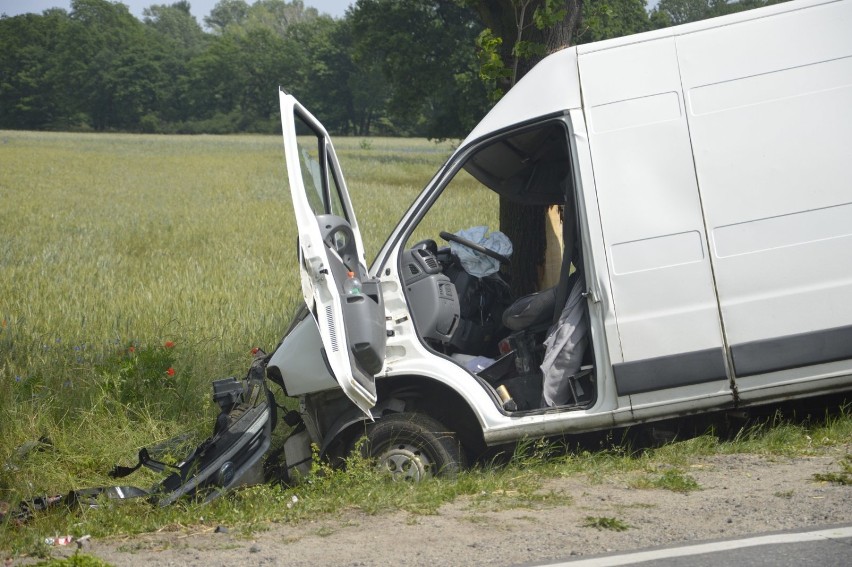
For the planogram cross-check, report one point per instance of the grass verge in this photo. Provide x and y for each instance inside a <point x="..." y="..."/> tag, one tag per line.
<point x="137" y="269"/>
<point x="519" y="483"/>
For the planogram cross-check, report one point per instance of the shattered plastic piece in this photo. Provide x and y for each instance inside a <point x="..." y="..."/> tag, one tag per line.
<point x="230" y="458"/>
<point x="60" y="540"/>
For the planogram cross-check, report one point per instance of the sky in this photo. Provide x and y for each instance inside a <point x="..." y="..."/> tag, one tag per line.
<point x="199" y="8"/>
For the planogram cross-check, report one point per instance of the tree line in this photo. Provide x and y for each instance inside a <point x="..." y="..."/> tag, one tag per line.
<point x="390" y="67"/>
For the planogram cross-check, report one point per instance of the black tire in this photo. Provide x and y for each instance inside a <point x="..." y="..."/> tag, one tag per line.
<point x="413" y="447"/>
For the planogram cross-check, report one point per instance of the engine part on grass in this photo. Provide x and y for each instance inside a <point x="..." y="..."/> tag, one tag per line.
<point x="232" y="457"/>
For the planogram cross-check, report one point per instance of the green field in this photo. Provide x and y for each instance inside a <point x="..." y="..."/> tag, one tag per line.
<point x="114" y="245"/>
<point x="137" y="269"/>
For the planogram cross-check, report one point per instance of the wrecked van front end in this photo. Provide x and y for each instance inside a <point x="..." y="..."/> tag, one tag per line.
<point x="675" y="246"/>
<point x="419" y="358"/>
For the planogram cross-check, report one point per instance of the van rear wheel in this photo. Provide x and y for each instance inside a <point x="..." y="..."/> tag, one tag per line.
<point x="413" y="447"/>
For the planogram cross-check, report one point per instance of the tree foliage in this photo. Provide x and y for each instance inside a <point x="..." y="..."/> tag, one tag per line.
<point x="398" y="67"/>
<point x="518" y="34"/>
<point x="605" y="19"/>
<point x="426" y="84"/>
<point x="30" y="96"/>
<point x="675" y="12"/>
<point x="176" y="26"/>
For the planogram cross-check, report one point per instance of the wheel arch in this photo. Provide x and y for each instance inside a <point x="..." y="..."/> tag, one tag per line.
<point x="409" y="393"/>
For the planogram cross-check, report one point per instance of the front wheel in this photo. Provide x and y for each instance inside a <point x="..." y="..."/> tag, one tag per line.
<point x="413" y="447"/>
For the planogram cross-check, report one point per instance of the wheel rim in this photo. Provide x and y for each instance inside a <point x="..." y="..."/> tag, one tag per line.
<point x="404" y="461"/>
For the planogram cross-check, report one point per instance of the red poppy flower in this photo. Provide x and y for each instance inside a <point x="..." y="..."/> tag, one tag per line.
<point x="169" y="344"/>
<point x="170" y="371"/>
<point x="131" y="349"/>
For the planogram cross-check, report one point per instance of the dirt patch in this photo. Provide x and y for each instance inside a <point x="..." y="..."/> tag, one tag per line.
<point x="737" y="495"/>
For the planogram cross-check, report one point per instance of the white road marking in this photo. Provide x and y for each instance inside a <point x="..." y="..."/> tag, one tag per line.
<point x="685" y="551"/>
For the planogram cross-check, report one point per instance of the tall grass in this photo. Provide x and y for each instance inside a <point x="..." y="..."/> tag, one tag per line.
<point x="518" y="482"/>
<point x="137" y="269"/>
<point x="112" y="246"/>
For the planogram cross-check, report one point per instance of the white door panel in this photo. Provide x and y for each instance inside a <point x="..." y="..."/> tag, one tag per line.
<point x="662" y="284"/>
<point x="330" y="246"/>
<point x="771" y="126"/>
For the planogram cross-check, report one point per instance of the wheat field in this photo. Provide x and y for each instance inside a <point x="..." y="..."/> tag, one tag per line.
<point x="114" y="245"/>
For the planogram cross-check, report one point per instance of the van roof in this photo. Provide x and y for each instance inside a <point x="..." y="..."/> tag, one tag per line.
<point x="550" y="87"/>
<point x="692" y="27"/>
<point x="553" y="85"/>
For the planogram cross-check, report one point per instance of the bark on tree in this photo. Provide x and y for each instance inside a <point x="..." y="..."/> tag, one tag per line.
<point x="512" y="20"/>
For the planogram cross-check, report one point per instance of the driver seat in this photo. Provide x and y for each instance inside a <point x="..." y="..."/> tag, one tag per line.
<point x="531" y="310"/>
<point x="526" y="317"/>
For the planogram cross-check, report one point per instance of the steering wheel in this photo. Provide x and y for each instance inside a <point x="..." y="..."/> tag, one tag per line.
<point x="450" y="237"/>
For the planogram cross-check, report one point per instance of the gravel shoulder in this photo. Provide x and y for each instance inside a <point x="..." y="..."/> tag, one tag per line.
<point x="738" y="495"/>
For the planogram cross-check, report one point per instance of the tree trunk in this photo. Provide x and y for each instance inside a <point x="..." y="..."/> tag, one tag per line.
<point x="525" y="227"/>
<point x="512" y="20"/>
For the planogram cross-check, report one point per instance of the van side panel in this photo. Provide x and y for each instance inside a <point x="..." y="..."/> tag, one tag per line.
<point x="769" y="106"/>
<point x="662" y="286"/>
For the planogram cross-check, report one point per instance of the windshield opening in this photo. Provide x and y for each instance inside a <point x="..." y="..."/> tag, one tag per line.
<point x="528" y="167"/>
<point x="457" y="269"/>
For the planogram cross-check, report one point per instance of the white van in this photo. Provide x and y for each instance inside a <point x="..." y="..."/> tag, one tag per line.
<point x="704" y="176"/>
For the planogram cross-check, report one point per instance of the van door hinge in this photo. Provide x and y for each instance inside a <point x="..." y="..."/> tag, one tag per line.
<point x="316" y="269"/>
<point x="591" y="295"/>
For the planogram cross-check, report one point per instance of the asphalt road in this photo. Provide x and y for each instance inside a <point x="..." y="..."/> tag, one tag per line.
<point x="825" y="547"/>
